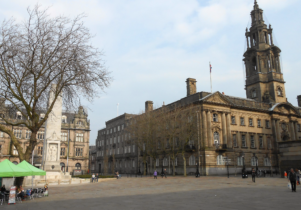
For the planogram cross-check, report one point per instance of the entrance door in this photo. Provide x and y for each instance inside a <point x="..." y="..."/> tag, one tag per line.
<point x="99" y="168"/>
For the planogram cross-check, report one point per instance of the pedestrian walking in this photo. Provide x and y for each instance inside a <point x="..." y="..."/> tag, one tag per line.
<point x="264" y="173"/>
<point x="96" y="177"/>
<point x="165" y="173"/>
<point x="93" y="177"/>
<point x="155" y="174"/>
<point x="285" y="174"/>
<point x="292" y="178"/>
<point x="253" y="174"/>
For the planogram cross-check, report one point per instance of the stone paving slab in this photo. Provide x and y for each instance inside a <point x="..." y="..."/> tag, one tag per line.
<point x="171" y="193"/>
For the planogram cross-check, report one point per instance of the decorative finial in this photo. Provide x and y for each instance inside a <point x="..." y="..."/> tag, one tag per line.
<point x="247" y="29"/>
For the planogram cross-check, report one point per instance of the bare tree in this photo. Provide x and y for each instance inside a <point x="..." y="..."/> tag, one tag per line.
<point x="40" y="52"/>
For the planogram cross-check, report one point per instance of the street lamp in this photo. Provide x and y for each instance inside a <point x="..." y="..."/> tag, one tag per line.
<point x="243" y="163"/>
<point x="197" y="173"/>
<point x="256" y="158"/>
<point x="227" y="162"/>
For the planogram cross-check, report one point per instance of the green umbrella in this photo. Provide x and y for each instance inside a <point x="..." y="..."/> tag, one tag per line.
<point x="8" y="169"/>
<point x="33" y="170"/>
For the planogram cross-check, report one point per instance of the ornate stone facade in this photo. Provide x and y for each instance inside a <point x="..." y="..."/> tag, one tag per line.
<point x="74" y="126"/>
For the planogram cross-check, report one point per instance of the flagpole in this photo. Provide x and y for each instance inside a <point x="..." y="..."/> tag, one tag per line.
<point x="210" y="76"/>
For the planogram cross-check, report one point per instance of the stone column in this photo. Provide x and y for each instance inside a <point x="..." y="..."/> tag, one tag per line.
<point x="248" y="41"/>
<point x="204" y="131"/>
<point x="292" y="129"/>
<point x="274" y="130"/>
<point x="224" y="128"/>
<point x="296" y="130"/>
<point x="278" y="131"/>
<point x="271" y="62"/>
<point x="257" y="63"/>
<point x="209" y="129"/>
<point x="272" y="43"/>
<point x="229" y="140"/>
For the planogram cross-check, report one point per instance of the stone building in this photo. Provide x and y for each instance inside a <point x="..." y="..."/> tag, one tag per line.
<point x="116" y="150"/>
<point x="258" y="131"/>
<point x="75" y="127"/>
<point x="92" y="159"/>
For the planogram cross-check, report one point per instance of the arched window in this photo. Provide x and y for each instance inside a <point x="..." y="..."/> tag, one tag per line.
<point x="165" y="162"/>
<point x="216" y="137"/>
<point x="220" y="160"/>
<point x="78" y="166"/>
<point x="254" y="161"/>
<point x="19" y="116"/>
<point x="267" y="161"/>
<point x="64" y="119"/>
<point x="279" y="92"/>
<point x="42" y="116"/>
<point x="81" y="123"/>
<point x="62" y="166"/>
<point x="254" y="95"/>
<point x="191" y="160"/>
<point x="239" y="161"/>
<point x="215" y="119"/>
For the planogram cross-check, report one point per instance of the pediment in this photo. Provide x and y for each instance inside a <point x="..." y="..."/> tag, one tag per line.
<point x="285" y="108"/>
<point x="218" y="98"/>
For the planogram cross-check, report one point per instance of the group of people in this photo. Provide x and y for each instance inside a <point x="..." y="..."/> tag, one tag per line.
<point x="162" y="174"/>
<point x="94" y="178"/>
<point x="294" y="178"/>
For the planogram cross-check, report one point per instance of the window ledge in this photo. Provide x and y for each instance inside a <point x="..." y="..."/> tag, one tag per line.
<point x="259" y="126"/>
<point x="253" y="147"/>
<point x="233" y="124"/>
<point x="267" y="128"/>
<point x="244" y="147"/>
<point x="242" y="125"/>
<point x="251" y="125"/>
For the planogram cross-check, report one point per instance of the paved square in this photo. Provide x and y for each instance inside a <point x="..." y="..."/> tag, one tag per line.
<point x="171" y="193"/>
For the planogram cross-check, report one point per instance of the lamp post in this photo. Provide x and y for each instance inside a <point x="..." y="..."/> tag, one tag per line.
<point x="256" y="158"/>
<point x="227" y="162"/>
<point x="243" y="163"/>
<point x="197" y="173"/>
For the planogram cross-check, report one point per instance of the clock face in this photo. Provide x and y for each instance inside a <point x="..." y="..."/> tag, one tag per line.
<point x="283" y="126"/>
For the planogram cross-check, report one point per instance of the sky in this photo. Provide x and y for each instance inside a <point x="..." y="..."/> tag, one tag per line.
<point x="152" y="47"/>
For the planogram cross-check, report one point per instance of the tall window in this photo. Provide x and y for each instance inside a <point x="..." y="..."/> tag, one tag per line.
<point x="298" y="127"/>
<point x="41" y="135"/>
<point x="64" y="136"/>
<point x="216" y="137"/>
<point x="191" y="160"/>
<point x="133" y="163"/>
<point x="157" y="162"/>
<point x="28" y="134"/>
<point x="79" y="123"/>
<point x="254" y="93"/>
<point x="122" y="126"/>
<point x="118" y="139"/>
<point x="242" y="121"/>
<point x="267" y="161"/>
<point x="233" y="120"/>
<point x="1" y="134"/>
<point x="269" y="143"/>
<point x="115" y="140"/>
<point x="259" y="123"/>
<point x="239" y="161"/>
<point x="260" y="142"/>
<point x="159" y="144"/>
<point x="215" y="119"/>
<point x="114" y="129"/>
<point x="176" y="161"/>
<point x="267" y="124"/>
<point x="252" y="141"/>
<point x="250" y="122"/>
<point x="220" y="160"/>
<point x="79" y="137"/>
<point x="78" y="152"/>
<point x="63" y="149"/>
<point x="40" y="150"/>
<point x="279" y="92"/>
<point x="254" y="161"/>
<point x="165" y="162"/>
<point x="18" y="133"/>
<point x="15" y="151"/>
<point x="118" y="128"/>
<point x="243" y="141"/>
<point x="133" y="148"/>
<point x="234" y="140"/>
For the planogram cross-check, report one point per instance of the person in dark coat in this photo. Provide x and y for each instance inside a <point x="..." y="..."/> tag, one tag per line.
<point x="293" y="178"/>
<point x="165" y="173"/>
<point x="253" y="174"/>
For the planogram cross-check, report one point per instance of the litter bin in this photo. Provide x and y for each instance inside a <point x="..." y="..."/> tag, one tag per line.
<point x="244" y="175"/>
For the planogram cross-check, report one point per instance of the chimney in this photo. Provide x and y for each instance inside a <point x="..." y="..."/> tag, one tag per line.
<point x="148" y="106"/>
<point x="191" y="86"/>
<point x="299" y="100"/>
